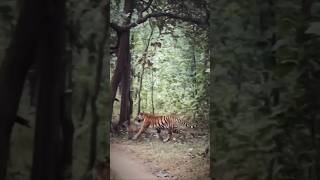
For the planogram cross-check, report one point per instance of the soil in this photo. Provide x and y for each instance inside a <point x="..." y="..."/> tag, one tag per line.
<point x="124" y="166"/>
<point x="151" y="159"/>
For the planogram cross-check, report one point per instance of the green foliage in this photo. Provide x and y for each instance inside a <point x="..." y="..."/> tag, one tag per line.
<point x="179" y="85"/>
<point x="265" y="67"/>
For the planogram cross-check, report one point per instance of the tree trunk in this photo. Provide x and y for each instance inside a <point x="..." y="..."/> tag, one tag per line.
<point x="14" y="68"/>
<point x="47" y="147"/>
<point x="130" y="101"/>
<point x="143" y="62"/>
<point x="33" y="79"/>
<point x="66" y="119"/>
<point x="95" y="115"/>
<point x="67" y="133"/>
<point x="104" y="149"/>
<point x="152" y="87"/>
<point x="140" y="87"/>
<point x="125" y="95"/>
<point x="194" y="78"/>
<point x="123" y="66"/>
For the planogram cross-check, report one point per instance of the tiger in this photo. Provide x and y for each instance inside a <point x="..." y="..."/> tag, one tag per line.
<point x="159" y="123"/>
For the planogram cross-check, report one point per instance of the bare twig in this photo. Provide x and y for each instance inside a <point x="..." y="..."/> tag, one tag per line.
<point x="147" y="7"/>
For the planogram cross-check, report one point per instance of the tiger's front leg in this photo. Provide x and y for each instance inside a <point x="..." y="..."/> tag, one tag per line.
<point x="159" y="134"/>
<point x="142" y="129"/>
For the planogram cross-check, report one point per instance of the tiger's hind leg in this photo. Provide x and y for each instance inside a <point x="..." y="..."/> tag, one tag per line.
<point x="169" y="136"/>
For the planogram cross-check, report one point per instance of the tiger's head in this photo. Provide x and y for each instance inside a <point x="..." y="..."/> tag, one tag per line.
<point x="140" y="117"/>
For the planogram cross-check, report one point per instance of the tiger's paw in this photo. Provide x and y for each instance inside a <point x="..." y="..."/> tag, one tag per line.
<point x="134" y="138"/>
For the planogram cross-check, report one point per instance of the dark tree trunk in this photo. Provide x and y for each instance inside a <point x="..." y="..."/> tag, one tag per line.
<point x="116" y="78"/>
<point x="47" y="157"/>
<point x="66" y="118"/>
<point x="33" y="79"/>
<point x="14" y="68"/>
<point x="123" y="66"/>
<point x="130" y="102"/>
<point x="67" y="133"/>
<point x="125" y="95"/>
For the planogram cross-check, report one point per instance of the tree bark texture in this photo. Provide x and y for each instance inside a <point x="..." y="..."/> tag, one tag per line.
<point x="123" y="67"/>
<point x="125" y="98"/>
<point x="94" y="111"/>
<point x="14" y="68"/>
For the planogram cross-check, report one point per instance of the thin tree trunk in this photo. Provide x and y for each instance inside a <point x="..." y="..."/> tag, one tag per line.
<point x="140" y="88"/>
<point x="47" y="147"/>
<point x="152" y="87"/>
<point x="143" y="62"/>
<point x="146" y="100"/>
<point x="194" y="78"/>
<point x="14" y="68"/>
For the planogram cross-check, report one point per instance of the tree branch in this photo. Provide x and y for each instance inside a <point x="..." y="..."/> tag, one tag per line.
<point x="22" y="121"/>
<point x="141" y="20"/>
<point x="147" y="7"/>
<point x="116" y="27"/>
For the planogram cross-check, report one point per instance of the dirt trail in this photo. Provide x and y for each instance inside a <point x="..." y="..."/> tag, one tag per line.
<point x="125" y="167"/>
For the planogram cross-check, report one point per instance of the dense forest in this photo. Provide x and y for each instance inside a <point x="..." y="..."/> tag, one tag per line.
<point x="160" y="67"/>
<point x="78" y="76"/>
<point x="54" y="86"/>
<point x="264" y="106"/>
<point x="163" y="47"/>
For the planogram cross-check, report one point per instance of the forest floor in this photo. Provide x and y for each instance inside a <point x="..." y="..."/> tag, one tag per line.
<point x="149" y="158"/>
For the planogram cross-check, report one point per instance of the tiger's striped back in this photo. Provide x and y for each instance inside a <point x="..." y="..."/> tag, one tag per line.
<point x="163" y="122"/>
<point x="159" y="123"/>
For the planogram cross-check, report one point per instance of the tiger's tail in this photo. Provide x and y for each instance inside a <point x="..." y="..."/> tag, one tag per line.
<point x="182" y="121"/>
